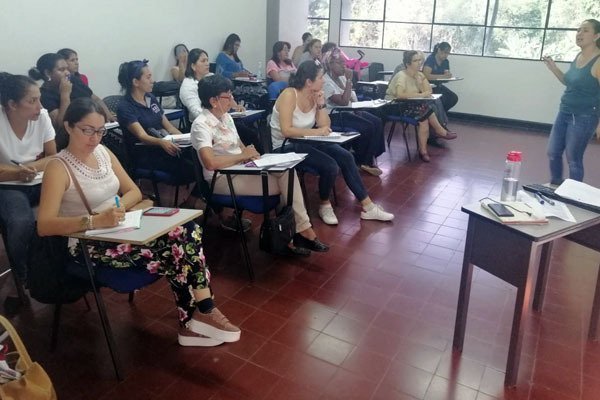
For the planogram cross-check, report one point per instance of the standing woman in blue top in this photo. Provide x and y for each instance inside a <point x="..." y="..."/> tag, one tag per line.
<point x="228" y="63"/>
<point x="26" y="142"/>
<point x="144" y="121"/>
<point x="577" y="117"/>
<point x="437" y="66"/>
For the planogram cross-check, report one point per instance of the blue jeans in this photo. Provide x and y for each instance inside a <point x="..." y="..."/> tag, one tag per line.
<point x="18" y="223"/>
<point x="571" y="133"/>
<point x="325" y="159"/>
<point x="371" y="143"/>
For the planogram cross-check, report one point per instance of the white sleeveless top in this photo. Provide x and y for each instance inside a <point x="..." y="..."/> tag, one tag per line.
<point x="99" y="185"/>
<point x="300" y="120"/>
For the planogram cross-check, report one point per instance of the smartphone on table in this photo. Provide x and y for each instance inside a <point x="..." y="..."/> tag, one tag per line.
<point x="500" y="210"/>
<point x="161" y="211"/>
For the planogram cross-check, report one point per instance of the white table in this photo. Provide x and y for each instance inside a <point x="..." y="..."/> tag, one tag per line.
<point x="170" y="113"/>
<point x="151" y="228"/>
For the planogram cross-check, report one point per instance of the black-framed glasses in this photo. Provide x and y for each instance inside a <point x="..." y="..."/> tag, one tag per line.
<point x="90" y="131"/>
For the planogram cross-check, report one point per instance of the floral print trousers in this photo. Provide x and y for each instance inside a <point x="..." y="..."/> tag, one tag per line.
<point x="178" y="256"/>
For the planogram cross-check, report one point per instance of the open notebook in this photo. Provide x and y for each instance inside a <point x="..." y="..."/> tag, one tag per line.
<point x="133" y="220"/>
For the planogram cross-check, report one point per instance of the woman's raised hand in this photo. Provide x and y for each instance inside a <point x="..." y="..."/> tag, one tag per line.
<point x="65" y="86"/>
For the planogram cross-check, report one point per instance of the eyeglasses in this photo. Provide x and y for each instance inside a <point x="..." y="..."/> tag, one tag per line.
<point x="89" y="131"/>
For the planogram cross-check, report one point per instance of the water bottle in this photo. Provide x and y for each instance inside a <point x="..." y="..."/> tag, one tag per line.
<point x="510" y="182"/>
<point x="259" y="70"/>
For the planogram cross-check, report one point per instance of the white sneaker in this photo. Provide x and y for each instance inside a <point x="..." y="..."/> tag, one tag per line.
<point x="327" y="215"/>
<point x="378" y="213"/>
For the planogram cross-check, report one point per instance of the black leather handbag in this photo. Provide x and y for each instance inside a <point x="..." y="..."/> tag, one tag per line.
<point x="276" y="233"/>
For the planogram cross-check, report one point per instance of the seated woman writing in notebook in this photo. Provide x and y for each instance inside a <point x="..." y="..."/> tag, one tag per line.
<point x="26" y="143"/>
<point x="300" y="111"/>
<point x="177" y="255"/>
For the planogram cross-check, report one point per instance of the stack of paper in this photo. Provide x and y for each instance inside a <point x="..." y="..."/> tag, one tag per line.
<point x="133" y="220"/>
<point x="580" y="192"/>
<point x="35" y="181"/>
<point x="271" y="159"/>
<point x="184" y="138"/>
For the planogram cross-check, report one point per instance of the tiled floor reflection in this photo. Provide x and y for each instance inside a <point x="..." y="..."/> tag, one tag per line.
<point x="371" y="319"/>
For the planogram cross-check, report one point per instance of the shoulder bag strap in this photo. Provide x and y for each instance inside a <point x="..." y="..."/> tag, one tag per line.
<point x="77" y="185"/>
<point x="25" y="359"/>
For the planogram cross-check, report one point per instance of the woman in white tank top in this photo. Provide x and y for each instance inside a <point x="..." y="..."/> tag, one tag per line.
<point x="300" y="111"/>
<point x="177" y="255"/>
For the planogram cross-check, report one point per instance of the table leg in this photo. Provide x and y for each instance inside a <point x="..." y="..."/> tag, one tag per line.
<point x="110" y="340"/>
<point x="542" y="278"/>
<point x="240" y="229"/>
<point x="521" y="312"/>
<point x="593" y="331"/>
<point x="464" y="293"/>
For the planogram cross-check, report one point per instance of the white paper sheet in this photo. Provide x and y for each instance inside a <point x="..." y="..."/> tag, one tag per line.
<point x="558" y="210"/>
<point x="270" y="159"/>
<point x="133" y="220"/>
<point x="579" y="191"/>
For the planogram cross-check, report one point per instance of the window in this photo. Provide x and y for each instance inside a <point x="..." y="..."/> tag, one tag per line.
<point x="318" y="19"/>
<point x="525" y="29"/>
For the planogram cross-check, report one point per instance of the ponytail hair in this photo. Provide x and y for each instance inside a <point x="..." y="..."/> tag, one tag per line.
<point x="443" y="46"/>
<point x="128" y="71"/>
<point x="307" y="70"/>
<point x="44" y="66"/>
<point x="596" y="24"/>
<point x="13" y="87"/>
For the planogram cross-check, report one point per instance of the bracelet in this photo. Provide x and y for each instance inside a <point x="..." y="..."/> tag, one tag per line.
<point x="90" y="222"/>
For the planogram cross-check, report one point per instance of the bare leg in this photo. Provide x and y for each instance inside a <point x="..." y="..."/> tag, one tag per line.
<point x="423" y="133"/>
<point x="435" y="124"/>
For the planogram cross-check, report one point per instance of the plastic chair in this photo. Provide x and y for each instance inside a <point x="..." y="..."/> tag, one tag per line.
<point x="112" y="102"/>
<point x="255" y="204"/>
<point x="405" y="122"/>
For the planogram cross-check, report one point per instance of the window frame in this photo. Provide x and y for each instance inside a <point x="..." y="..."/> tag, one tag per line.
<point x="328" y="19"/>
<point x="433" y="24"/>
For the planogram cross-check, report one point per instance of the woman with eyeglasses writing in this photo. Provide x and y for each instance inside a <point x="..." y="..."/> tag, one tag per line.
<point x="144" y="120"/>
<point x="177" y="255"/>
<point x="412" y="84"/>
<point x="26" y="142"/>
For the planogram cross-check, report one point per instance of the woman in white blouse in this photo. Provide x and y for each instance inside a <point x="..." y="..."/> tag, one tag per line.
<point x="197" y="68"/>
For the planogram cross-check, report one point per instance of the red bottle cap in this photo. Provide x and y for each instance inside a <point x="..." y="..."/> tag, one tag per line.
<point x="514" y="156"/>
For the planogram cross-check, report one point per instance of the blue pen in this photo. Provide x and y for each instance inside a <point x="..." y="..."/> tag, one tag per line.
<point x="538" y="197"/>
<point x="117" y="202"/>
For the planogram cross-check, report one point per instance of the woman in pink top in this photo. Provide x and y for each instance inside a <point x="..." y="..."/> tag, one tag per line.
<point x="280" y="66"/>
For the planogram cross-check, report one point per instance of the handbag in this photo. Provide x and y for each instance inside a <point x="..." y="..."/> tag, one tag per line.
<point x="276" y="233"/>
<point x="47" y="279"/>
<point x="34" y="383"/>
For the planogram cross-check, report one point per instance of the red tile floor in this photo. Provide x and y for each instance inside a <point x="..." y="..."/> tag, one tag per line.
<point x="371" y="319"/>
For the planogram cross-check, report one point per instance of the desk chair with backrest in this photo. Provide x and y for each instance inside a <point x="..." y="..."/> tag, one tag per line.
<point x="255" y="204"/>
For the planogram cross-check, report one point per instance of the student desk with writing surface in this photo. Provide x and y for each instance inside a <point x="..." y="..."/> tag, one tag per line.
<point x="151" y="228"/>
<point x="519" y="255"/>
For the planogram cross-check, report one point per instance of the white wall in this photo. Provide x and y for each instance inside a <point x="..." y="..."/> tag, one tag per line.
<point x="503" y="88"/>
<point x="106" y="33"/>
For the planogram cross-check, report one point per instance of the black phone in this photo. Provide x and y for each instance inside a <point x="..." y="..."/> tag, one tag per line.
<point x="500" y="210"/>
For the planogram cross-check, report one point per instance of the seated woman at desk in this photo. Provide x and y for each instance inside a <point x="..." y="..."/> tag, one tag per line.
<point x="338" y="92"/>
<point x="72" y="60"/>
<point x="26" y="143"/>
<point x="180" y="52"/>
<point x="102" y="178"/>
<point x="297" y="110"/>
<point x="58" y="90"/>
<point x="312" y="52"/>
<point x="218" y="145"/>
<point x="144" y="120"/>
<point x="228" y="63"/>
<point x="280" y="66"/>
<point x="306" y="37"/>
<point x="196" y="70"/>
<point x="437" y="66"/>
<point x="410" y="83"/>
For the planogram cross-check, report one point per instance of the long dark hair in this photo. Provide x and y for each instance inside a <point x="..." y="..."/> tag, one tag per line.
<point x="45" y="63"/>
<point x="277" y="47"/>
<point x="443" y="46"/>
<point x="307" y="70"/>
<point x="228" y="46"/>
<point x="13" y="87"/>
<point x="193" y="57"/>
<point x="596" y="24"/>
<point x="128" y="71"/>
<point x="81" y="107"/>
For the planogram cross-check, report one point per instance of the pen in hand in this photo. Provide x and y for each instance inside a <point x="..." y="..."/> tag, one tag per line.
<point x="117" y="202"/>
